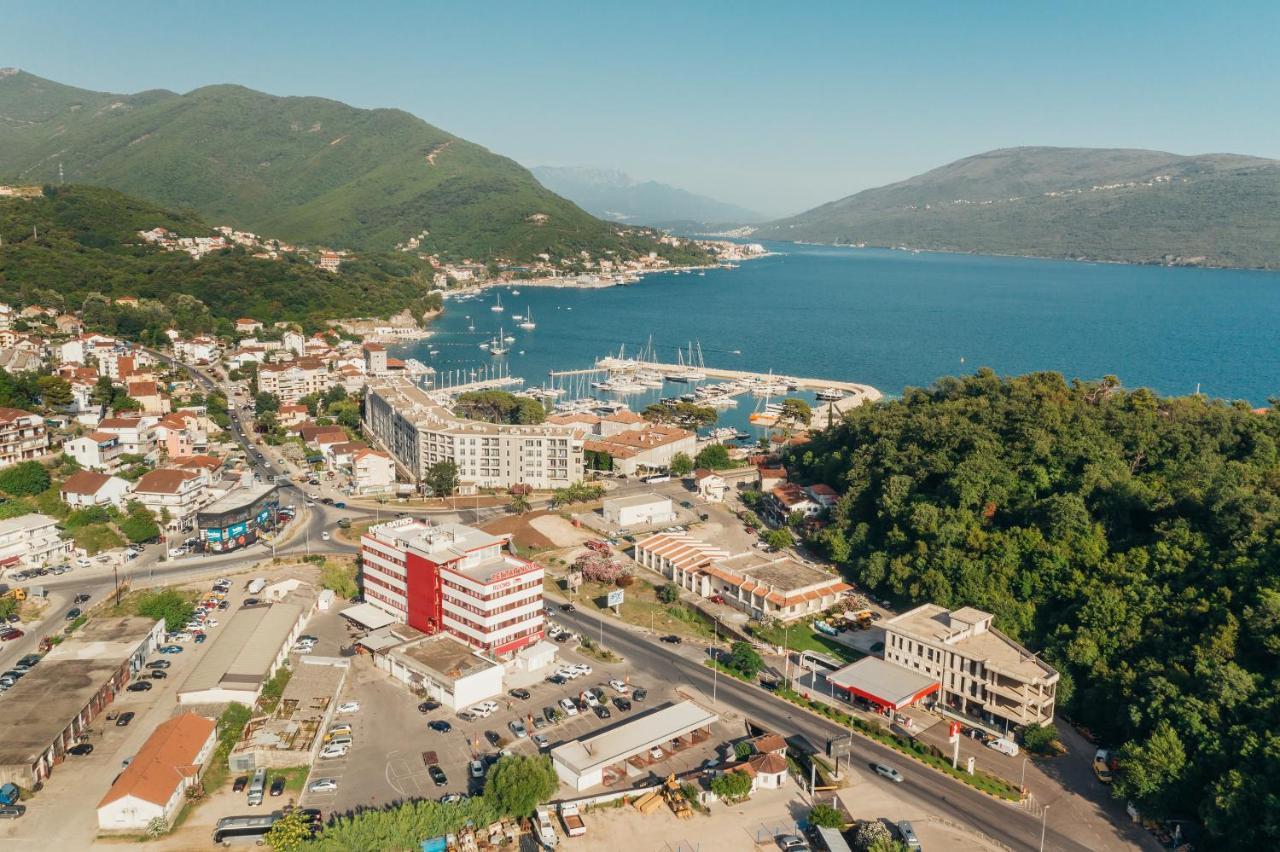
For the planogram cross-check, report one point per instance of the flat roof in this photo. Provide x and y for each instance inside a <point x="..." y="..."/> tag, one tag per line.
<point x="635" y="500"/>
<point x="29" y="521"/>
<point x="783" y="573"/>
<point x="369" y="616"/>
<point x="242" y="656"/>
<point x="969" y="632"/>
<point x="444" y="657"/>
<point x="633" y="737"/>
<point x="41" y="705"/>
<point x="872" y="677"/>
<point x="239" y="498"/>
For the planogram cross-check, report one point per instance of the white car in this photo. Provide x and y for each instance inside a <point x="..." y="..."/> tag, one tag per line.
<point x="477" y="769"/>
<point x="333" y="750"/>
<point x="349" y="707"/>
<point x="480" y="710"/>
<point x="490" y="706"/>
<point x="174" y="553"/>
<point x="323" y="785"/>
<point x="570" y="709"/>
<point x="583" y="668"/>
<point x="619" y="686"/>
<point x="569" y="673"/>
<point x="590" y="698"/>
<point x="324" y="536"/>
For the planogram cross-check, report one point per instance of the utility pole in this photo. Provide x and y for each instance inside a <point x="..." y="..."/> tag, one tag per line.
<point x="1044" y="816"/>
<point x="715" y="667"/>
<point x="115" y="573"/>
<point x="1022" y="784"/>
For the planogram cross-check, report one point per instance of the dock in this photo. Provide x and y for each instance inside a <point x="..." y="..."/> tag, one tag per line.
<point x="855" y="393"/>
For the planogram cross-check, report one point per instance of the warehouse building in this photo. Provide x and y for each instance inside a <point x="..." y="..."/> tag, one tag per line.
<point x="61" y="697"/>
<point x="254" y="644"/>
<point x="155" y="781"/>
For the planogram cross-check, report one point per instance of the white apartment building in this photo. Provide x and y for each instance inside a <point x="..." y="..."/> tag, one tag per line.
<point x="983" y="673"/>
<point x="180" y="492"/>
<point x="22" y="436"/>
<point x="372" y="471"/>
<point x="420" y="430"/>
<point x="86" y="488"/>
<point x="137" y="434"/>
<point x="454" y="579"/>
<point x="32" y="540"/>
<point x="291" y="381"/>
<point x="95" y="451"/>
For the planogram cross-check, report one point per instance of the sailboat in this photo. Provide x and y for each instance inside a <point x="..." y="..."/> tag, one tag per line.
<point x="498" y="346"/>
<point x="496" y="307"/>
<point x="766" y="413"/>
<point x="528" y="324"/>
<point x="472" y="325"/>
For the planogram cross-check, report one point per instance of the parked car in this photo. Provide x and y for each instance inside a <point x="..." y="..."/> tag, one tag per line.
<point x="887" y="772"/>
<point x="139" y="686"/>
<point x="493" y="737"/>
<point x="583" y="668"/>
<point x="158" y="674"/>
<point x="159" y="664"/>
<point x="334" y="750"/>
<point x="622" y="703"/>
<point x="569" y="707"/>
<point x="477" y="769"/>
<point x="428" y="706"/>
<point x="517" y="728"/>
<point x="558" y="679"/>
<point x="240" y="783"/>
<point x="542" y="742"/>
<point x="124" y="718"/>
<point x="323" y="785"/>
<point x="568" y="607"/>
<point x="619" y="686"/>
<point x="277" y="786"/>
<point x="437" y="775"/>
<point x="440" y="726"/>
<point x="602" y="711"/>
<point x="72" y="614"/>
<point x="12" y="811"/>
<point x="671" y="639"/>
<point x="170" y="649"/>
<point x="792" y="843"/>
<point x="349" y="707"/>
<point x="81" y="598"/>
<point x="908" y="835"/>
<point x="81" y="749"/>
<point x="522" y="694"/>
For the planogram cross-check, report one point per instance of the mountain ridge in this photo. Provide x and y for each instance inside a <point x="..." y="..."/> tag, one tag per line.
<point x="1126" y="205"/>
<point x="308" y="169"/>
<point x="614" y="195"/>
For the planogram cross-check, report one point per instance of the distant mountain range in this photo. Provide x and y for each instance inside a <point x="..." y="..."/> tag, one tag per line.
<point x="298" y="168"/>
<point x="617" y="196"/>
<point x="1083" y="203"/>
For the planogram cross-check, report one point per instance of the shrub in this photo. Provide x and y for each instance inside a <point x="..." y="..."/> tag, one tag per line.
<point x="24" y="479"/>
<point x="732" y="786"/>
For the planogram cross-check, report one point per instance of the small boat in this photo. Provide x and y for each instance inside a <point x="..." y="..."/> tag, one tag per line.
<point x="433" y="352"/>
<point x="703" y="274"/>
<point x="515" y="292"/>
<point x="528" y="324"/>
<point x="830" y="394"/>
<point x="496" y="307"/>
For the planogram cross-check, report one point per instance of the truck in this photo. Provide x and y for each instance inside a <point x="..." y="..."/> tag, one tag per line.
<point x="546" y="829"/>
<point x="256" y="585"/>
<point x="573" y="825"/>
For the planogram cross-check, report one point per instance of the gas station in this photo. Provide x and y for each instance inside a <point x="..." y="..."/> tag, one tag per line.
<point x="887" y="687"/>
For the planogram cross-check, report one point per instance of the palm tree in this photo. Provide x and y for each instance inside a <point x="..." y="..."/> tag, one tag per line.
<point x="519" y="504"/>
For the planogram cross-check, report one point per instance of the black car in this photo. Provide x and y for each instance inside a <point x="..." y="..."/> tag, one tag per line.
<point x="597" y="692"/>
<point x="140" y="686"/>
<point x="622" y="703"/>
<point x="558" y="680"/>
<point x="522" y="694"/>
<point x="428" y="706"/>
<point x="81" y="749"/>
<point x="159" y="664"/>
<point x="81" y="598"/>
<point x="29" y="660"/>
<point x="639" y="694"/>
<point x="437" y="775"/>
<point x="551" y="714"/>
<point x="602" y="711"/>
<point x="277" y="786"/>
<point x="440" y="725"/>
<point x="671" y="639"/>
<point x="493" y="738"/>
<point x="159" y="674"/>
<point x="124" y="718"/>
<point x="251" y="602"/>
<point x="240" y="784"/>
<point x="72" y="613"/>
<point x="568" y="608"/>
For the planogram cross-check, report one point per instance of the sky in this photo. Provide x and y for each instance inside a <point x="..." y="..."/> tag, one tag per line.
<point x="774" y="106"/>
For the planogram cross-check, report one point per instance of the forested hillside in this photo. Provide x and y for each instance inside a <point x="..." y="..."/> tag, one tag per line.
<point x="79" y="246"/>
<point x="1134" y="538"/>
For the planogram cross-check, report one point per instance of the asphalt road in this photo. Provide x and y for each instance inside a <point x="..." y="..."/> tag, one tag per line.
<point x="932" y="790"/>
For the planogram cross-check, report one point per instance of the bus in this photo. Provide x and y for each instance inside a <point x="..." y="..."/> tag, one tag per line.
<point x="244" y="828"/>
<point x="656" y="478"/>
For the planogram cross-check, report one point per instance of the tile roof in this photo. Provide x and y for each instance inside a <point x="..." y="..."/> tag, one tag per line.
<point x="84" y="482"/>
<point x="165" y="760"/>
<point x="166" y="480"/>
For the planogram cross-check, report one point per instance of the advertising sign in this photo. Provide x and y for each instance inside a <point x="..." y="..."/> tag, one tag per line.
<point x="213" y="535"/>
<point x="615" y="597"/>
<point x="237" y="530"/>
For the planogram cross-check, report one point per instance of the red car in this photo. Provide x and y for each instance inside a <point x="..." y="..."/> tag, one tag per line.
<point x="11" y="633"/>
<point x="717" y="599"/>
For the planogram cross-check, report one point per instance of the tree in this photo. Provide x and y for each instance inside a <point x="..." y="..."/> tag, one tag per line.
<point x="24" y="479"/>
<point x="442" y="478"/>
<point x="1039" y="739"/>
<point x="870" y="833"/>
<point x="290" y="832"/>
<point x="779" y="539"/>
<point x="124" y="402"/>
<point x="1150" y="771"/>
<point x="157" y="826"/>
<point x="516" y="784"/>
<point x="668" y="593"/>
<point x="497" y="406"/>
<point x="745" y="659"/>
<point x="681" y="464"/>
<point x="713" y="457"/>
<point x="826" y="816"/>
<point x="743" y="749"/>
<point x="166" y="605"/>
<point x="732" y="786"/>
<point x="265" y="403"/>
<point x="519" y="504"/>
<point x="140" y="525"/>
<point x="55" y="391"/>
<point x="797" y="411"/>
<point x="599" y="568"/>
<point x="341" y="578"/>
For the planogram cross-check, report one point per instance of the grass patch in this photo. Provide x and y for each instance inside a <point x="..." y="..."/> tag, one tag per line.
<point x="803" y="637"/>
<point x="273" y="689"/>
<point x="295" y="777"/>
<point x="95" y="538"/>
<point x="129" y="601"/>
<point x="641" y="607"/>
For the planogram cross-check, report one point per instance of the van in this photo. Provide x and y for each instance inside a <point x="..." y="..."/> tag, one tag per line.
<point x="1004" y="746"/>
<point x="256" y="585"/>
<point x="257" y="787"/>
<point x="908" y="835"/>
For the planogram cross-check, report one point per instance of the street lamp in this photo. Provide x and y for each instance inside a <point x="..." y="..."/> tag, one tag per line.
<point x="715" y="661"/>
<point x="1022" y="784"/>
<point x="1044" y="816"/>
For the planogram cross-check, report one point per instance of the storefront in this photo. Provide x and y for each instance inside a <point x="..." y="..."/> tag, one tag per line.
<point x="239" y="518"/>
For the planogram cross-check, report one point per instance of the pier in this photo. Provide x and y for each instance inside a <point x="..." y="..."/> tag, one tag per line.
<point x="855" y="394"/>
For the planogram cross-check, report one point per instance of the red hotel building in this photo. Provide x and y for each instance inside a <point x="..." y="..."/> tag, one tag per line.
<point x="456" y="579"/>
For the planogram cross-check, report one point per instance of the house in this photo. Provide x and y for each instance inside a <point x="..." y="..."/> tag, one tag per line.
<point x="710" y="485"/>
<point x="770" y="477"/>
<point x="330" y="261"/>
<point x="88" y="488"/>
<point x="822" y="494"/>
<point x="137" y="433"/>
<point x="197" y="350"/>
<point x="22" y="436"/>
<point x="67" y="324"/>
<point x="788" y="498"/>
<point x="291" y="381"/>
<point x="342" y="453"/>
<point x="294" y="342"/>
<point x="288" y="415"/>
<point x="153" y="785"/>
<point x="638" y="510"/>
<point x="372" y="471"/>
<point x="375" y="359"/>
<point x="179" y="434"/>
<point x="178" y="491"/>
<point x="153" y="401"/>
<point x="245" y="325"/>
<point x="32" y="540"/>
<point x="770" y="771"/>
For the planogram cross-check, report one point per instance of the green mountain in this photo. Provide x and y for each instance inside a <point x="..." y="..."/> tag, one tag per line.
<point x="301" y="169"/>
<point x="619" y="197"/>
<point x="77" y="247"/>
<point x="1083" y="203"/>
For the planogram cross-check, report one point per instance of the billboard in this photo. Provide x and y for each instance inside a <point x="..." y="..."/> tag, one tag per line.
<point x="615" y="597"/>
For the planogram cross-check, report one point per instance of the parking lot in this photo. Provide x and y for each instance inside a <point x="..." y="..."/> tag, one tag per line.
<point x="385" y="763"/>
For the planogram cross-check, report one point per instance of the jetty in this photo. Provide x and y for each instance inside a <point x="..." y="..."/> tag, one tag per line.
<point x="854" y="393"/>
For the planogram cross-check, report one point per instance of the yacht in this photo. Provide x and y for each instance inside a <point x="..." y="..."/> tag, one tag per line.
<point x="528" y="324"/>
<point x="496" y="307"/>
<point x="830" y="394"/>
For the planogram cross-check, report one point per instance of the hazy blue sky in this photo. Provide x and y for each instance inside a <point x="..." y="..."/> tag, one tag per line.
<point x="770" y="105"/>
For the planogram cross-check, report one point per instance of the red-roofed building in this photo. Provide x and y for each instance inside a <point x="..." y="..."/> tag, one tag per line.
<point x="372" y="471"/>
<point x="95" y="451"/>
<point x="22" y="436"/>
<point x="154" y="784"/>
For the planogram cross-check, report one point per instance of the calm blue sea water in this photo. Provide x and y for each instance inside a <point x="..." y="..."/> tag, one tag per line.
<point x="895" y="319"/>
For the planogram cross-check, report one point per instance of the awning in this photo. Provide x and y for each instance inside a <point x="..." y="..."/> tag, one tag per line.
<point x="369" y="616"/>
<point x="883" y="683"/>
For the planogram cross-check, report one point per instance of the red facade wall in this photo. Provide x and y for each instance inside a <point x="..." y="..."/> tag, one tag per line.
<point x="423" y="593"/>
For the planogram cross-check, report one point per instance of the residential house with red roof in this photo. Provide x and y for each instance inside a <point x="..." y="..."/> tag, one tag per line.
<point x="86" y="488"/>
<point x="98" y="451"/>
<point x="178" y="491"/>
<point x="153" y="785"/>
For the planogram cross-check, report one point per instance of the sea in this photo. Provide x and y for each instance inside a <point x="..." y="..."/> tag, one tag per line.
<point x="890" y="319"/>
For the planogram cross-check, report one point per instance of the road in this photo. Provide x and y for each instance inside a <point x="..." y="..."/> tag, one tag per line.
<point x="930" y="789"/>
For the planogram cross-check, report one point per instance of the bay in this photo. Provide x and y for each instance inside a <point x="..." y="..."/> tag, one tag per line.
<point x="894" y="319"/>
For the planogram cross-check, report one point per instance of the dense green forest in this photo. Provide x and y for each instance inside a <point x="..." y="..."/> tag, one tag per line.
<point x="1134" y="539"/>
<point x="77" y="244"/>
